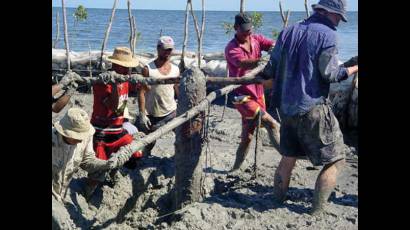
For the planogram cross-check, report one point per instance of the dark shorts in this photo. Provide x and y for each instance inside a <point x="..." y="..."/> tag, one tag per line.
<point x="315" y="134"/>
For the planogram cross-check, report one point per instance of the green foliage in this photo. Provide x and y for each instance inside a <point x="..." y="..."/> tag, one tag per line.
<point x="257" y="22"/>
<point x="80" y="13"/>
<point x="275" y="34"/>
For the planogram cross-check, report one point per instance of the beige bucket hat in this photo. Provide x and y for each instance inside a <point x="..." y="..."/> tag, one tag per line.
<point x="122" y="56"/>
<point x="75" y="124"/>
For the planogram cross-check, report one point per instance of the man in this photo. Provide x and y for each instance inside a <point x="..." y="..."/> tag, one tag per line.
<point x="72" y="148"/>
<point x="157" y="103"/>
<point x="110" y="101"/>
<point x="304" y="62"/>
<point x="68" y="84"/>
<point x="243" y="53"/>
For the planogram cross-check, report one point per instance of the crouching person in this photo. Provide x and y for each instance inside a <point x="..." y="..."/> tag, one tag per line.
<point x="72" y="147"/>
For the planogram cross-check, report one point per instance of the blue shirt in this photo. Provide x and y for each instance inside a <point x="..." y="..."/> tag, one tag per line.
<point x="304" y="62"/>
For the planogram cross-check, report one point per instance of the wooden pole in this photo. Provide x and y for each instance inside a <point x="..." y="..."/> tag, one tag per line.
<point x="107" y="32"/>
<point x="307" y="9"/>
<point x="67" y="46"/>
<point x="58" y="30"/>
<point x="188" y="147"/>
<point x="131" y="39"/>
<point x="284" y="18"/>
<point x="134" y="42"/>
<point x="198" y="33"/>
<point x="241" y="10"/>
<point x="182" y="66"/>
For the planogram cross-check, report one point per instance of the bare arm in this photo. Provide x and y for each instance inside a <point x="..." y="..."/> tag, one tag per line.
<point x="141" y="93"/>
<point x="60" y="103"/>
<point x="352" y="70"/>
<point x="249" y="63"/>
<point x="55" y="89"/>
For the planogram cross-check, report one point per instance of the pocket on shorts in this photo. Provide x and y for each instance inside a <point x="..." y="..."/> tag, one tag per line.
<point x="327" y="125"/>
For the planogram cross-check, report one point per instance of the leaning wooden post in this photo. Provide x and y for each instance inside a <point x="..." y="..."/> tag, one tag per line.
<point x="67" y="46"/>
<point x="58" y="31"/>
<point x="107" y="32"/>
<point x="182" y="63"/>
<point x="188" y="148"/>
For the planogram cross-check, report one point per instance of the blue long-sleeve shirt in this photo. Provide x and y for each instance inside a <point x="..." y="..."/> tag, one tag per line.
<point x="303" y="63"/>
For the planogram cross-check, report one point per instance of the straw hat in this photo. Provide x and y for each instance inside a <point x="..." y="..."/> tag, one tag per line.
<point x="75" y="124"/>
<point x="122" y="56"/>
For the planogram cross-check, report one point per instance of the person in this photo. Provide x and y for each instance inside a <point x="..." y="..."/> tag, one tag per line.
<point x="157" y="103"/>
<point x="303" y="63"/>
<point x="243" y="53"/>
<point x="72" y="148"/>
<point x="110" y="101"/>
<point x="68" y="84"/>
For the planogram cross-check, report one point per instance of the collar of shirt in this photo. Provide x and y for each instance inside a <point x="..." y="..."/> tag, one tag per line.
<point x="242" y="46"/>
<point x="316" y="17"/>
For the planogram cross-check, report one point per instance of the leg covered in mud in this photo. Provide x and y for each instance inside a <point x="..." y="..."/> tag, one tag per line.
<point x="282" y="178"/>
<point x="273" y="128"/>
<point x="248" y="126"/>
<point x="325" y="183"/>
<point x="60" y="218"/>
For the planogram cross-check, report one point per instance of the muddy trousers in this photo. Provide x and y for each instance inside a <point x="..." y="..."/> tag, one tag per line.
<point x="60" y="217"/>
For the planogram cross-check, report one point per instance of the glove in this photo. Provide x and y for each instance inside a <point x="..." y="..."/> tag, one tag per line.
<point x="351" y="62"/>
<point x="119" y="158"/>
<point x="144" y="121"/>
<point x="68" y="79"/>
<point x="71" y="89"/>
<point x="106" y="77"/>
<point x="131" y="129"/>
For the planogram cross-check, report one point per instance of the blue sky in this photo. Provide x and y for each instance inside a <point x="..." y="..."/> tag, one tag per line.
<point x="228" y="5"/>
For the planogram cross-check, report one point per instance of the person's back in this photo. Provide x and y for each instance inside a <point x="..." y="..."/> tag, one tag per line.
<point x="299" y="83"/>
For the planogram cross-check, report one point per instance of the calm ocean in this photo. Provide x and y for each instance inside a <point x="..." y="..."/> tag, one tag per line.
<point x="150" y="22"/>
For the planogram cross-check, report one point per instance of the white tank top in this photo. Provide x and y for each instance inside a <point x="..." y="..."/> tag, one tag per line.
<point x="159" y="100"/>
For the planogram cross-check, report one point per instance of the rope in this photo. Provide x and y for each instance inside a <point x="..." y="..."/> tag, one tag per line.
<point x="256" y="145"/>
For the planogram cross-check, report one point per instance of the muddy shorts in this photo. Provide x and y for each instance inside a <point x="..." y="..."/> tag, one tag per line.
<point x="315" y="134"/>
<point x="249" y="108"/>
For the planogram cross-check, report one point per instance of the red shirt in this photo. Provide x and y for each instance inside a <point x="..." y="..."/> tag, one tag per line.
<point x="235" y="52"/>
<point x="105" y="116"/>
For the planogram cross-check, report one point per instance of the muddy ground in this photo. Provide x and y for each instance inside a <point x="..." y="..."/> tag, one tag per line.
<point x="142" y="198"/>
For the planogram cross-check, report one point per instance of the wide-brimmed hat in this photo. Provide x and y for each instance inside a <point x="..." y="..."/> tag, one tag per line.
<point x="122" y="56"/>
<point x="333" y="6"/>
<point x="75" y="124"/>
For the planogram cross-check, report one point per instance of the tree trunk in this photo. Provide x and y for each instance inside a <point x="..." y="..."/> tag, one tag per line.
<point x="188" y="148"/>
<point x="107" y="32"/>
<point x="58" y="31"/>
<point x="134" y="42"/>
<point x="67" y="46"/>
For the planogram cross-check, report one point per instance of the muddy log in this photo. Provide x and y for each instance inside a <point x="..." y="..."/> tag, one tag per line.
<point x="189" y="159"/>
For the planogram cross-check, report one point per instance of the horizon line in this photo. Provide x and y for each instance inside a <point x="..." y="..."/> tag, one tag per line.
<point x="194" y="10"/>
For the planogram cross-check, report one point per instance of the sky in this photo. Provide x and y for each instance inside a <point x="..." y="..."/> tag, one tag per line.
<point x="220" y="5"/>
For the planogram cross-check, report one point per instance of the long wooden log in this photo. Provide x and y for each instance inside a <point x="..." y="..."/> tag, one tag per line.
<point x="67" y="46"/>
<point x="107" y="32"/>
<point x="138" y="78"/>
